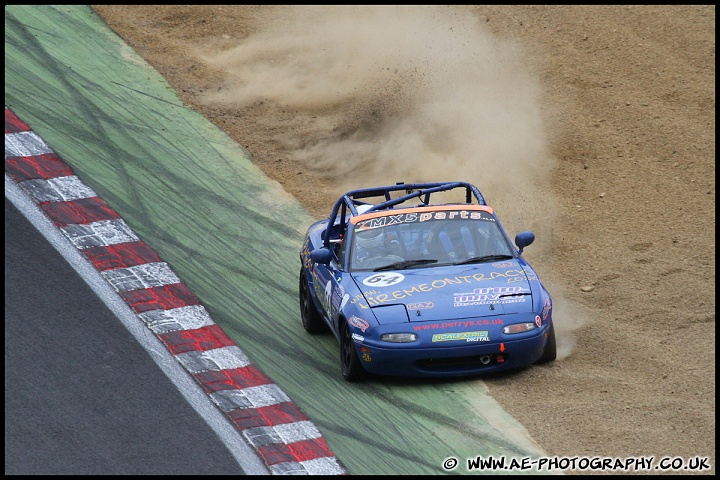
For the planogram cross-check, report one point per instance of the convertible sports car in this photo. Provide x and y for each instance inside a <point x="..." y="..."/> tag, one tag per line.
<point x="414" y="288"/>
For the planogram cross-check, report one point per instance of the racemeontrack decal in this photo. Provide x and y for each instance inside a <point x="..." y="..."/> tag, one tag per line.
<point x="276" y="428"/>
<point x="375" y="298"/>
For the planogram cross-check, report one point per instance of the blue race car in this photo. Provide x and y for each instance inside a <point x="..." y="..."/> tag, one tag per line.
<point x="414" y="288"/>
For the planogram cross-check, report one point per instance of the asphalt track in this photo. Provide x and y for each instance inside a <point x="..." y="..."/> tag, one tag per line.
<point x="232" y="236"/>
<point x="107" y="253"/>
<point x="82" y="396"/>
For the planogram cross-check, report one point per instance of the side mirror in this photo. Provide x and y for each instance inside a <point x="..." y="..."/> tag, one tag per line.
<point x="321" y="255"/>
<point x="523" y="239"/>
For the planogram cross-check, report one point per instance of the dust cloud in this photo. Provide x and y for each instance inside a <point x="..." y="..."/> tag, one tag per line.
<point x="402" y="93"/>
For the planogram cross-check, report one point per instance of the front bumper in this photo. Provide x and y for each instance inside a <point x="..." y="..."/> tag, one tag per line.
<point x="463" y="360"/>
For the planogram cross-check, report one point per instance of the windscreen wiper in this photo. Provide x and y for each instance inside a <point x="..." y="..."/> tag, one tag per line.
<point x="406" y="264"/>
<point x="484" y="258"/>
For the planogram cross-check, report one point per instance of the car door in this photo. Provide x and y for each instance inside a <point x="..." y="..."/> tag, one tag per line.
<point x="328" y="287"/>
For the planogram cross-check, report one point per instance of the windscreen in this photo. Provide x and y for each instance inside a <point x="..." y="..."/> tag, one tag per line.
<point x="425" y="238"/>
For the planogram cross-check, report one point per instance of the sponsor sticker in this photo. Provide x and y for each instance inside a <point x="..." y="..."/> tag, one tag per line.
<point x="504" y="264"/>
<point x="479" y="336"/>
<point x="383" y="279"/>
<point x="546" y="309"/>
<point x="489" y="295"/>
<point x="420" y="305"/>
<point x="358" y="322"/>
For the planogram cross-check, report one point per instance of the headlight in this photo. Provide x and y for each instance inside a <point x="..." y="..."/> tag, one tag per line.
<point x="398" y="337"/>
<point x="519" y="327"/>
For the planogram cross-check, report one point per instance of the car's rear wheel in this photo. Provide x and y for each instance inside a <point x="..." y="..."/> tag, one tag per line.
<point x="311" y="319"/>
<point x="350" y="365"/>
<point x="550" y="352"/>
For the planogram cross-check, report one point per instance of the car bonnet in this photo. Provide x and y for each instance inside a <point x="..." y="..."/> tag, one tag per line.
<point x="446" y="292"/>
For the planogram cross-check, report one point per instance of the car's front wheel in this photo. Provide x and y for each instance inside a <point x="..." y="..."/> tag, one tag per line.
<point x="311" y="319"/>
<point x="550" y="352"/>
<point x="350" y="365"/>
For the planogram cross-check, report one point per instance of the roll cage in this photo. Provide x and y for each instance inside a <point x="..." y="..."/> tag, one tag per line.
<point x="349" y="202"/>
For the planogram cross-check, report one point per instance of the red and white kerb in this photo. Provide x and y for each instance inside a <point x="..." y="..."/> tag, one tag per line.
<point x="286" y="440"/>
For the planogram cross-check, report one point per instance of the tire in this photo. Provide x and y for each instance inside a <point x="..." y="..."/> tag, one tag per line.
<point x="550" y="352"/>
<point x="350" y="365"/>
<point x="311" y="319"/>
